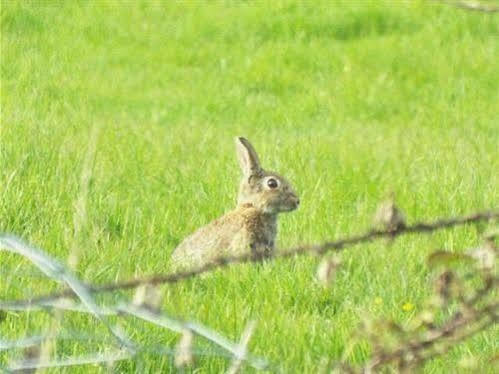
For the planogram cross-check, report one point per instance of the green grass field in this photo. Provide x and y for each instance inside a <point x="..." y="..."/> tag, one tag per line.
<point x="117" y="127"/>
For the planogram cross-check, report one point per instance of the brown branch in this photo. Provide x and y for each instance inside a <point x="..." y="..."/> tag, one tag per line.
<point x="318" y="249"/>
<point x="490" y="311"/>
<point x="423" y="342"/>
<point x="457" y="328"/>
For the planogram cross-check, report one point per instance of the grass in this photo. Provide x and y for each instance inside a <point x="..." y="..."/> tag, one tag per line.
<point x="348" y="99"/>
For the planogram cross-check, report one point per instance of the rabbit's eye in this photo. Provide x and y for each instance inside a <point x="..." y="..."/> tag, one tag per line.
<point x="272" y="183"/>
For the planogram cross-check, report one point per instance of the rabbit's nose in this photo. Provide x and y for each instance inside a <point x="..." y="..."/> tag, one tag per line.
<point x="297" y="201"/>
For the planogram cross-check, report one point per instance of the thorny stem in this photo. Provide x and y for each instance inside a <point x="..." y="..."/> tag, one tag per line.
<point x="448" y="331"/>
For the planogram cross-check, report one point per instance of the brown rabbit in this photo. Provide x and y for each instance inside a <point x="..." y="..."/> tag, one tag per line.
<point x="252" y="226"/>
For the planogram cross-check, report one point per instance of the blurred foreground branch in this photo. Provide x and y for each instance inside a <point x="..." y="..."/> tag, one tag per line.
<point x="476" y="308"/>
<point x="473" y="6"/>
<point x="35" y="357"/>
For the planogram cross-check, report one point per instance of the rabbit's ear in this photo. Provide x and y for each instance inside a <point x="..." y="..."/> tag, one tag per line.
<point x="248" y="159"/>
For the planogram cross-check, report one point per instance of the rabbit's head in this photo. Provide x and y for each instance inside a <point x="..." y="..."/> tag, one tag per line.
<point x="265" y="190"/>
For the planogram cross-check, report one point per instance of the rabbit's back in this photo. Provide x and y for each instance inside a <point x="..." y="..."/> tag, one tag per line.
<point x="238" y="232"/>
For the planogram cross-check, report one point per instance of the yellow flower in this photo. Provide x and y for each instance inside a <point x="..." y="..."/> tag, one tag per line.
<point x="407" y="307"/>
<point x="378" y="300"/>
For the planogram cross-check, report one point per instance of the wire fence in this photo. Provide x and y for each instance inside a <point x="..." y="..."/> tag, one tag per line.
<point x="477" y="309"/>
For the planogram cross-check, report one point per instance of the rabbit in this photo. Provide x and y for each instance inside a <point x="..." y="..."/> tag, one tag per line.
<point x="252" y="226"/>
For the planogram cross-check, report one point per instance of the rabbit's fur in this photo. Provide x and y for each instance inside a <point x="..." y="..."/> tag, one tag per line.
<point x="251" y="226"/>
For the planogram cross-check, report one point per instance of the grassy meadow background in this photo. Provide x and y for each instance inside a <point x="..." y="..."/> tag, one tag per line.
<point x="117" y="127"/>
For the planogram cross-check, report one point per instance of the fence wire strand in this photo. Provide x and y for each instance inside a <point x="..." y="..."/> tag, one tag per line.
<point x="316" y="249"/>
<point x="79" y="297"/>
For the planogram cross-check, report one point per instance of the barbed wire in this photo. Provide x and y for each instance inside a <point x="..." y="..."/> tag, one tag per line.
<point x="464" y="322"/>
<point x="317" y="249"/>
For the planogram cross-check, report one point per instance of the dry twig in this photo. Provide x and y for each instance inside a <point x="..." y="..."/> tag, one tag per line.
<point x="476" y="311"/>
